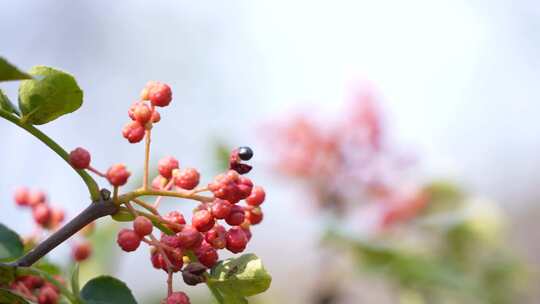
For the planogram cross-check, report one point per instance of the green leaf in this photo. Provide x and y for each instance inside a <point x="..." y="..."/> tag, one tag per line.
<point x="6" y="105"/>
<point x="107" y="290"/>
<point x="240" y="277"/>
<point x="10" y="72"/>
<point x="7" y="274"/>
<point x="7" y="296"/>
<point x="51" y="94"/>
<point x="11" y="246"/>
<point x="123" y="216"/>
<point x="75" y="287"/>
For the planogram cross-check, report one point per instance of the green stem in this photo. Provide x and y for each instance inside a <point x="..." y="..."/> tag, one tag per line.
<point x="93" y="188"/>
<point x="63" y="290"/>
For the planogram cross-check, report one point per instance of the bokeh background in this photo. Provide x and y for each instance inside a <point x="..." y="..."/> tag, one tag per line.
<point x="459" y="81"/>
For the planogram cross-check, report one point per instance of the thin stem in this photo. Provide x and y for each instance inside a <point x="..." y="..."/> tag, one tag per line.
<point x="146" y="157"/>
<point x="169" y="265"/>
<point x="145" y="205"/>
<point x="115" y="194"/>
<point x="180" y="194"/>
<point x="63" y="290"/>
<point x="91" y="184"/>
<point x="167" y="187"/>
<point x="96" y="172"/>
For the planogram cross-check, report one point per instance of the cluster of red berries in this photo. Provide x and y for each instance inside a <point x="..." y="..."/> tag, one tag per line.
<point x="44" y="214"/>
<point x="48" y="217"/>
<point x="37" y="289"/>
<point x="143" y="112"/>
<point x="204" y="236"/>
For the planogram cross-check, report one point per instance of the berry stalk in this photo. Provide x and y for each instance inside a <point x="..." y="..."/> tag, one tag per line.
<point x="146" y="158"/>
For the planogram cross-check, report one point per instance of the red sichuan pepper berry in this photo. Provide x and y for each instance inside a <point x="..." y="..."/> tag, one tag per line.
<point x="221" y="208"/>
<point x="216" y="237"/>
<point x="187" y="178"/>
<point x="254" y="215"/>
<point x="189" y="237"/>
<point x="128" y="240"/>
<point x="140" y="112"/>
<point x="203" y="220"/>
<point x="166" y="166"/>
<point x="42" y="214"/>
<point x="236" y="240"/>
<point x="36" y="198"/>
<point x="118" y="175"/>
<point x="133" y="131"/>
<point x="175" y="217"/>
<point x="178" y="298"/>
<point x="21" y="196"/>
<point x="81" y="251"/>
<point x="207" y="255"/>
<point x="156" y="117"/>
<point x="256" y="197"/>
<point x="48" y="295"/>
<point x="142" y="226"/>
<point x="79" y="158"/>
<point x="236" y="216"/>
<point x="159" y="94"/>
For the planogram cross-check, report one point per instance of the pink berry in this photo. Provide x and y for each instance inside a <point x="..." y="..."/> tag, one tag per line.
<point x="236" y="240"/>
<point x="236" y="216"/>
<point x="81" y="251"/>
<point x="221" y="208"/>
<point x="256" y="197"/>
<point x="133" y="131"/>
<point x="216" y="237"/>
<point x="159" y="94"/>
<point x="175" y="257"/>
<point x="170" y="240"/>
<point x="118" y="175"/>
<point x="159" y="182"/>
<point x="42" y="214"/>
<point x="207" y="255"/>
<point x="189" y="237"/>
<point x="157" y="259"/>
<point x="140" y="112"/>
<point x="128" y="240"/>
<point x="79" y="158"/>
<point x="156" y="117"/>
<point x="31" y="282"/>
<point x="175" y="217"/>
<point x="166" y="165"/>
<point x="187" y="179"/>
<point x="47" y="295"/>
<point x="57" y="217"/>
<point x="203" y="220"/>
<point x="247" y="231"/>
<point x="178" y="298"/>
<point x="245" y="186"/>
<point x="254" y="215"/>
<point x="21" y="196"/>
<point x="142" y="226"/>
<point x="36" y="198"/>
